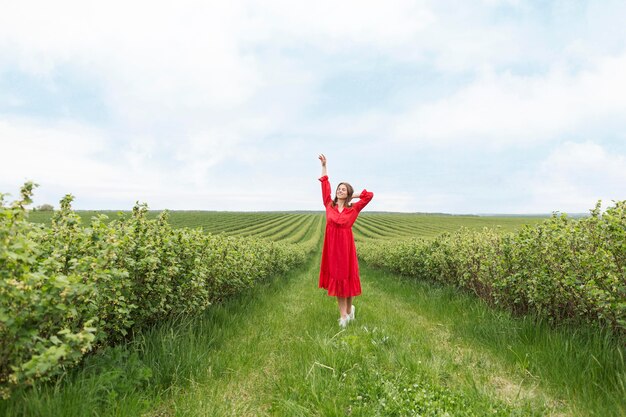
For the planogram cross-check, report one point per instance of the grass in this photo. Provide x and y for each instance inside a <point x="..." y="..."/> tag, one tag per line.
<point x="415" y="348"/>
<point x="572" y="371"/>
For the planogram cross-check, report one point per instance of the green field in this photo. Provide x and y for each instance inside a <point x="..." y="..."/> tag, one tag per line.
<point x="287" y="226"/>
<point x="416" y="348"/>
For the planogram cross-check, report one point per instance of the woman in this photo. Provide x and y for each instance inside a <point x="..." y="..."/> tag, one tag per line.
<point x="339" y="272"/>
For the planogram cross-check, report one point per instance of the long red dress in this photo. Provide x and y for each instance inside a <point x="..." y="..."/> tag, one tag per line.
<point x="339" y="272"/>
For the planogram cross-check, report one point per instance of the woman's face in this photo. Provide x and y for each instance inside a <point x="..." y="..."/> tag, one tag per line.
<point x="342" y="191"/>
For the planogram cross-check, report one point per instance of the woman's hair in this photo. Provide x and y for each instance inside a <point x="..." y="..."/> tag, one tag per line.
<point x="350" y="192"/>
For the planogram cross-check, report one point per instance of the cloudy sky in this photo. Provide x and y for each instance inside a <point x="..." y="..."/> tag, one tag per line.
<point x="492" y="106"/>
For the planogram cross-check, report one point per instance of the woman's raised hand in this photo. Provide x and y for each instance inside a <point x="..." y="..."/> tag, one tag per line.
<point x="323" y="159"/>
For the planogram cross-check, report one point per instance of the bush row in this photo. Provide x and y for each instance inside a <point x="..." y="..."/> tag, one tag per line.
<point x="563" y="270"/>
<point x="68" y="288"/>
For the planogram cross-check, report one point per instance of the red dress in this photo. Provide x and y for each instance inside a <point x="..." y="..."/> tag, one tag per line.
<point x="339" y="273"/>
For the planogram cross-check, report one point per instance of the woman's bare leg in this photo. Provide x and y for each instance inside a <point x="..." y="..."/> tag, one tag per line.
<point x="349" y="305"/>
<point x="343" y="307"/>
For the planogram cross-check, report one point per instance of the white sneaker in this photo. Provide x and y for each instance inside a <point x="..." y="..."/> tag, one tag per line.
<point x="344" y="322"/>
<point x="351" y="315"/>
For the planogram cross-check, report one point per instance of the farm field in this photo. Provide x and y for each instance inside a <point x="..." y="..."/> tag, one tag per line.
<point x="416" y="348"/>
<point x="285" y="225"/>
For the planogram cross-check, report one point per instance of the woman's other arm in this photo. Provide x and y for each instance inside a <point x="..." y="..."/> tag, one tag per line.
<point x="364" y="198"/>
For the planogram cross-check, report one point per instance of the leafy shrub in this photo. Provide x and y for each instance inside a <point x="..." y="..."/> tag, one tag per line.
<point x="67" y="288"/>
<point x="564" y="269"/>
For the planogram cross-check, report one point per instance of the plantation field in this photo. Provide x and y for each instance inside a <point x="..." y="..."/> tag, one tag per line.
<point x="289" y="226"/>
<point x="393" y="226"/>
<point x="273" y="347"/>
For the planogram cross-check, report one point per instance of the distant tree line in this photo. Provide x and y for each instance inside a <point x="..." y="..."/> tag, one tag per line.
<point x="44" y="207"/>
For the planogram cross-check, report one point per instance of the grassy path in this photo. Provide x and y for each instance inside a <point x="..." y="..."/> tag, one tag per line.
<point x="415" y="349"/>
<point x="280" y="352"/>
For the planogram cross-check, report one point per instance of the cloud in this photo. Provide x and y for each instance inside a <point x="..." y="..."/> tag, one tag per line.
<point x="64" y="152"/>
<point x="333" y="26"/>
<point x="152" y="58"/>
<point x="63" y="158"/>
<point x="202" y="103"/>
<point x="430" y="201"/>
<point x="192" y="173"/>
<point x="574" y="176"/>
<point x="67" y="157"/>
<point x="511" y="109"/>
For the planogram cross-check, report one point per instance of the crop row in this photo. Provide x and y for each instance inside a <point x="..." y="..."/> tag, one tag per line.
<point x="562" y="269"/>
<point x="312" y="229"/>
<point x="277" y="226"/>
<point x="66" y="288"/>
<point x="268" y="228"/>
<point x="393" y="226"/>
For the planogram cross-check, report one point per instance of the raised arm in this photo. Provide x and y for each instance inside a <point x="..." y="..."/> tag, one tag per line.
<point x="325" y="184"/>
<point x="323" y="160"/>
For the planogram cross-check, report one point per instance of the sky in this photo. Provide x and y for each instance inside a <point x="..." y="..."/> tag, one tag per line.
<point x="484" y="106"/>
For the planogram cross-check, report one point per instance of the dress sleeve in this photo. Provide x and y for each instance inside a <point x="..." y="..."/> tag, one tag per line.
<point x="325" y="190"/>
<point x="364" y="199"/>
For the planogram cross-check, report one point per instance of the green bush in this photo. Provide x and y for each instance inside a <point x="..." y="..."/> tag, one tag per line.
<point x="67" y="288"/>
<point x="564" y="269"/>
